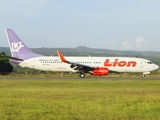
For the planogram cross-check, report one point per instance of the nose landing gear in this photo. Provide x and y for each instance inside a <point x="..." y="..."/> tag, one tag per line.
<point x="143" y="76"/>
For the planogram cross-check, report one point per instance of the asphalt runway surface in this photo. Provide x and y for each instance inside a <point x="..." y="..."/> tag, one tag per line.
<point x="86" y="78"/>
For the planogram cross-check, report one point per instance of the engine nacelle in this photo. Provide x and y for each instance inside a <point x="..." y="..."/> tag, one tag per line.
<point x="100" y="71"/>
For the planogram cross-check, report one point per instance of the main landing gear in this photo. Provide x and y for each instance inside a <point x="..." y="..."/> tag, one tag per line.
<point x="82" y="75"/>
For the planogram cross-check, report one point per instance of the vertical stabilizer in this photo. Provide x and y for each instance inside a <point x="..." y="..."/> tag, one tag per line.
<point x="17" y="47"/>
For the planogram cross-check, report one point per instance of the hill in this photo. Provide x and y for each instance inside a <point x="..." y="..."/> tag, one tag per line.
<point x="83" y="51"/>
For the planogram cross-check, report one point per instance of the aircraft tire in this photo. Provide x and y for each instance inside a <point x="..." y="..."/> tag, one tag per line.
<point x="82" y="75"/>
<point x="143" y="76"/>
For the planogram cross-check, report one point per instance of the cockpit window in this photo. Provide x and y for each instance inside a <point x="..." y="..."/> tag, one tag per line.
<point x="149" y="62"/>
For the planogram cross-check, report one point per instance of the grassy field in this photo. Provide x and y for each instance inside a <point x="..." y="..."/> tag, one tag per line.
<point x="79" y="99"/>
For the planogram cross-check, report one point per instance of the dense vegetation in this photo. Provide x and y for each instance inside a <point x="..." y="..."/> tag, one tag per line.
<point x="5" y="66"/>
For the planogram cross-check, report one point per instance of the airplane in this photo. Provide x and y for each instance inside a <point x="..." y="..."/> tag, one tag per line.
<point x="96" y="66"/>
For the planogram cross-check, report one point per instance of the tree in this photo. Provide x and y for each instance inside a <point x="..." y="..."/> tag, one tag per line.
<point x="5" y="66"/>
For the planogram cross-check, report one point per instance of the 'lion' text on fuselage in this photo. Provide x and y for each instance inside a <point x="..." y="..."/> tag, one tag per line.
<point x="116" y="63"/>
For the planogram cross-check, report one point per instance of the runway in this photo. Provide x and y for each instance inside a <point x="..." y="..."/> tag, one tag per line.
<point x="76" y="78"/>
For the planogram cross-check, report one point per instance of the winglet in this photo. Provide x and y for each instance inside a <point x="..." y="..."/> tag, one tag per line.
<point x="61" y="56"/>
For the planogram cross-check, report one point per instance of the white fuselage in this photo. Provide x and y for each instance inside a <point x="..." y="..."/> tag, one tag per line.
<point x="117" y="64"/>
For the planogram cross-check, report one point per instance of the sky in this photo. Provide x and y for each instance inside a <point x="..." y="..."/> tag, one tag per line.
<point x="103" y="24"/>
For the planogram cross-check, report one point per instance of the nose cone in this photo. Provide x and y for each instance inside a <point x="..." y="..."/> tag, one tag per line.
<point x="156" y="67"/>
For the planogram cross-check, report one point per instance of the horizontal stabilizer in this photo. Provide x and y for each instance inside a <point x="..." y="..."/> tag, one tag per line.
<point x="13" y="58"/>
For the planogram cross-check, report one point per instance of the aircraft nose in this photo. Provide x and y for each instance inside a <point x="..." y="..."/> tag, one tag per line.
<point x="156" y="67"/>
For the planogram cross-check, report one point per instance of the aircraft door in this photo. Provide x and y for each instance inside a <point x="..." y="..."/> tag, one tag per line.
<point x="141" y="65"/>
<point x="33" y="63"/>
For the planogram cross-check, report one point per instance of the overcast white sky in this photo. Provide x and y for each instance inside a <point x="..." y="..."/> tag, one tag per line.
<point x="109" y="24"/>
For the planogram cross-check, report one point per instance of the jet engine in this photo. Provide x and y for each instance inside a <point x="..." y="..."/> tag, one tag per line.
<point x="100" y="71"/>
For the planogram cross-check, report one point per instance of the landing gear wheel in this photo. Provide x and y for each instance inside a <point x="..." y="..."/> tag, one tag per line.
<point x="143" y="75"/>
<point x="82" y="75"/>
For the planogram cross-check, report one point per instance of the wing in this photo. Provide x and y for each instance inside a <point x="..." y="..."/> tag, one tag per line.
<point x="76" y="66"/>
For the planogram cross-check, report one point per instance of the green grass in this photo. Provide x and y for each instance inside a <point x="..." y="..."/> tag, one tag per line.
<point x="79" y="99"/>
